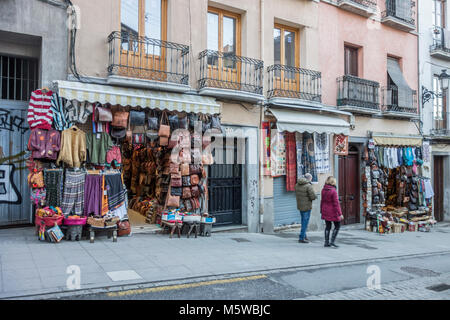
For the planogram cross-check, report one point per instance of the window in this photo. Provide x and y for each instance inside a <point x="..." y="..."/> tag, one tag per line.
<point x="285" y="43"/>
<point x="351" y="60"/>
<point x="143" y="18"/>
<point x="439" y="7"/>
<point x="18" y="78"/>
<point x="223" y="35"/>
<point x="438" y="102"/>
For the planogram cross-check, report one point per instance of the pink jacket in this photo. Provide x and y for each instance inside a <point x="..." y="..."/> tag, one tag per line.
<point x="329" y="204"/>
<point x="44" y="144"/>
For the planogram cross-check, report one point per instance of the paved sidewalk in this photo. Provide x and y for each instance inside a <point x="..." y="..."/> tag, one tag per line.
<point x="30" y="267"/>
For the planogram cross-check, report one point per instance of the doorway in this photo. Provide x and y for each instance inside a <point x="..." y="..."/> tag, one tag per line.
<point x="438" y="188"/>
<point x="349" y="185"/>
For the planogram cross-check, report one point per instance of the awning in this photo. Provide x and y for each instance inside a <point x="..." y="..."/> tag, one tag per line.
<point x="404" y="93"/>
<point x="103" y="94"/>
<point x="398" y="141"/>
<point x="297" y="121"/>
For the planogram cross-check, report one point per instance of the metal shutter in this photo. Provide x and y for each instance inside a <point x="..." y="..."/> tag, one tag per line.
<point x="284" y="204"/>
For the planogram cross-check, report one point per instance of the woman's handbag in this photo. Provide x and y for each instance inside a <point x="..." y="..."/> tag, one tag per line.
<point x="186" y="193"/>
<point x="183" y="122"/>
<point x="163" y="141"/>
<point x="103" y="114"/>
<point x="123" y="228"/>
<point x="176" y="191"/>
<point x="118" y="133"/>
<point x="186" y="181"/>
<point x="164" y="128"/>
<point x="36" y="179"/>
<point x="184" y="168"/>
<point x="173" y="201"/>
<point x="176" y="182"/>
<point x="152" y="121"/>
<point x="174" y="168"/>
<point x="195" y="168"/>
<point x="120" y="119"/>
<point x="174" y="122"/>
<point x="137" y="118"/>
<point x="195" y="191"/>
<point x="194" y="179"/>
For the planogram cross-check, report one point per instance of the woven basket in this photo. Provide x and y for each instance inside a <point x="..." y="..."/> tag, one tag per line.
<point x="96" y="222"/>
<point x="112" y="222"/>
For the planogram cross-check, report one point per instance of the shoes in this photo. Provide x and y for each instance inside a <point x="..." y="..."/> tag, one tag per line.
<point x="327" y="238"/>
<point x="333" y="238"/>
<point x="303" y="241"/>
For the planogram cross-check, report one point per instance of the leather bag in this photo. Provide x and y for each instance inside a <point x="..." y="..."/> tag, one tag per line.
<point x="186" y="181"/>
<point x="163" y="141"/>
<point x="183" y="122"/>
<point x="176" y="182"/>
<point x="195" y="168"/>
<point x="118" y="133"/>
<point x="152" y="121"/>
<point x="120" y="119"/>
<point x="186" y="193"/>
<point x="176" y="191"/>
<point x="174" y="168"/>
<point x="103" y="114"/>
<point x="194" y="179"/>
<point x="184" y="168"/>
<point x="164" y="128"/>
<point x="137" y="118"/>
<point x="173" y="201"/>
<point x="123" y="228"/>
<point x="174" y="122"/>
<point x="195" y="191"/>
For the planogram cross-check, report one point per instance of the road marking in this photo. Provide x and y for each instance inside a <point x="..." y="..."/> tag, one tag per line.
<point x="183" y="286"/>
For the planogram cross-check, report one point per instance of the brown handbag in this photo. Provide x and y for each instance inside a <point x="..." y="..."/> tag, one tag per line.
<point x="176" y="175"/>
<point x="194" y="179"/>
<point x="164" y="129"/>
<point x="187" y="193"/>
<point x="174" y="167"/>
<point x="195" y="168"/>
<point x="184" y="169"/>
<point x="176" y="182"/>
<point x="120" y="119"/>
<point x="173" y="201"/>
<point x="195" y="192"/>
<point x="103" y="114"/>
<point x="163" y="141"/>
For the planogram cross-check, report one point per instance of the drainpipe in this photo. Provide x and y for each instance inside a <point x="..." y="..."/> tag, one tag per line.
<point x="261" y="110"/>
<point x="419" y="95"/>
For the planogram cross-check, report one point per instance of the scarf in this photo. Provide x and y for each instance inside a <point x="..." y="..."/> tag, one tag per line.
<point x="291" y="161"/>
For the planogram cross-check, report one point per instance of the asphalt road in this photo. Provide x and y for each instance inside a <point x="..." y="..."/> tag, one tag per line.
<point x="298" y="284"/>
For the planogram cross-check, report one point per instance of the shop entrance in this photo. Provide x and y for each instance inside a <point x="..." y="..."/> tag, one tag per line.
<point x="349" y="185"/>
<point x="225" y="188"/>
<point x="438" y="188"/>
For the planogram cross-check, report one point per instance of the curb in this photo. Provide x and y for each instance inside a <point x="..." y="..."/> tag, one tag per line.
<point x="149" y="284"/>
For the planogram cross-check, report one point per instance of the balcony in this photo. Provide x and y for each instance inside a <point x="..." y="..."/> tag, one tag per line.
<point x="364" y="8"/>
<point x="288" y="83"/>
<point x="230" y="76"/>
<point x="147" y="63"/>
<point x="440" y="124"/>
<point x="441" y="43"/>
<point x="359" y="96"/>
<point x="399" y="103"/>
<point x="399" y="15"/>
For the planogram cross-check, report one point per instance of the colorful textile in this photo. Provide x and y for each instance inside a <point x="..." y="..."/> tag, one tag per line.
<point x="114" y="154"/>
<point x="299" y="149"/>
<point x="73" y="197"/>
<point x="61" y="121"/>
<point x="291" y="161"/>
<point x="40" y="114"/>
<point x="116" y="191"/>
<point x="93" y="195"/>
<point x="97" y="145"/>
<point x="44" y="144"/>
<point x="340" y="145"/>
<point x="104" y="198"/>
<point x="277" y="154"/>
<point x="308" y="159"/>
<point x="322" y="152"/>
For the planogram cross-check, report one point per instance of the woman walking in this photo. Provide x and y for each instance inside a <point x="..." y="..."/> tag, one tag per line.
<point x="331" y="211"/>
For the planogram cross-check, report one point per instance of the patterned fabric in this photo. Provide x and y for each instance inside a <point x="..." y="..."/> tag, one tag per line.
<point x="299" y="149"/>
<point x="60" y="119"/>
<point x="308" y="159"/>
<point x="116" y="191"/>
<point x="73" y="197"/>
<point x="277" y="154"/>
<point x="40" y="114"/>
<point x="104" y="199"/>
<point x="54" y="185"/>
<point x="291" y="161"/>
<point x="322" y="152"/>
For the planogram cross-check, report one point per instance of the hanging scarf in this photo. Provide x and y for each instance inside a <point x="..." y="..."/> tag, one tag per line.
<point x="308" y="159"/>
<point x="291" y="161"/>
<point x="299" y="149"/>
<point x="322" y="152"/>
<point x="277" y="153"/>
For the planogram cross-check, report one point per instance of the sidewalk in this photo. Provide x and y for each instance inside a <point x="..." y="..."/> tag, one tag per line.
<point x="30" y="267"/>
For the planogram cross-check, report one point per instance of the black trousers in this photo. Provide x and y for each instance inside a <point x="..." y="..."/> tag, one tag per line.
<point x="337" y="225"/>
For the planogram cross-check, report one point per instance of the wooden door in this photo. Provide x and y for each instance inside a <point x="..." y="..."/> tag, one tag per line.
<point x="349" y="187"/>
<point x="286" y="54"/>
<point x="438" y="188"/>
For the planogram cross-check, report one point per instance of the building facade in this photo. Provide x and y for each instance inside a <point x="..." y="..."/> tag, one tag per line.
<point x="33" y="53"/>
<point x="434" y="57"/>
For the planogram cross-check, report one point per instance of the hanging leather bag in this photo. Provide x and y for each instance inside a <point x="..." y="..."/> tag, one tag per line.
<point x="176" y="191"/>
<point x="195" y="191"/>
<point x="163" y="141"/>
<point x="173" y="201"/>
<point x="137" y="118"/>
<point x="186" y="193"/>
<point x="186" y="181"/>
<point x="195" y="179"/>
<point x="184" y="168"/>
<point x="164" y="128"/>
<point x="195" y="168"/>
<point x="174" y="122"/>
<point x="120" y="119"/>
<point x="103" y="114"/>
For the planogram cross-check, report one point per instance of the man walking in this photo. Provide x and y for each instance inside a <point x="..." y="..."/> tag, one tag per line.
<point x="305" y="195"/>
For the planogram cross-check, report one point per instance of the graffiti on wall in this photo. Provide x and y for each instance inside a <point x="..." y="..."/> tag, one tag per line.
<point x="12" y="123"/>
<point x="9" y="192"/>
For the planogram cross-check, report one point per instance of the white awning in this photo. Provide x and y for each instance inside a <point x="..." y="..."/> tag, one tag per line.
<point x="297" y="121"/>
<point x="73" y="90"/>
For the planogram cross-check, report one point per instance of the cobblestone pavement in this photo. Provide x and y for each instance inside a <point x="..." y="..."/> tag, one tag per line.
<point x="414" y="289"/>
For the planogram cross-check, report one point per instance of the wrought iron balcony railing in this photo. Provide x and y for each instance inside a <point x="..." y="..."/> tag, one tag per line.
<point x="400" y="9"/>
<point x="440" y="123"/>
<point x="140" y="57"/>
<point x="229" y="71"/>
<point x="364" y="3"/>
<point x="357" y="92"/>
<point x="439" y="40"/>
<point x="291" y="82"/>
<point x="402" y="101"/>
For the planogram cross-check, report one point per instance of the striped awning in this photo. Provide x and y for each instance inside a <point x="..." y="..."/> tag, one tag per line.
<point x="73" y="90"/>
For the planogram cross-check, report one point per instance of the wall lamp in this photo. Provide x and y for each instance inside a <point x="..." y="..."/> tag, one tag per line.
<point x="444" y="80"/>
